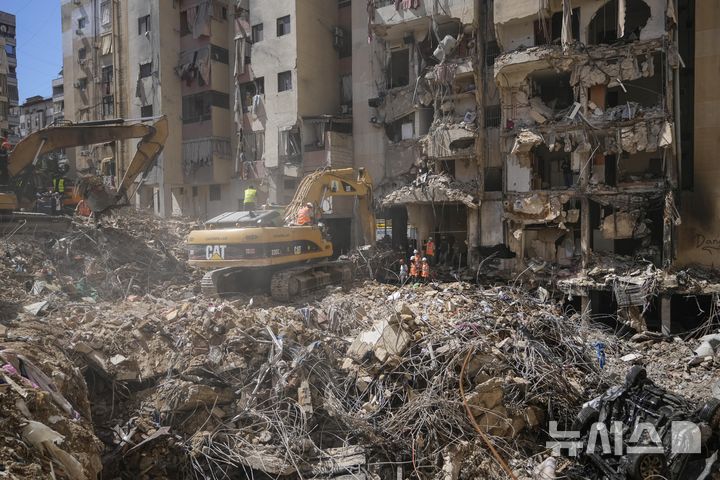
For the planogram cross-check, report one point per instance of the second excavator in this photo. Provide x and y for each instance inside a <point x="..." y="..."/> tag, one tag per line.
<point x="21" y="181"/>
<point x="267" y="250"/>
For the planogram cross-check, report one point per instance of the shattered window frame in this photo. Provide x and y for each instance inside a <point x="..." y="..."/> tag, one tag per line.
<point x="289" y="144"/>
<point x="284" y="81"/>
<point x="146" y="111"/>
<point x="283" y="26"/>
<point x="258" y="32"/>
<point x="143" y="24"/>
<point x="395" y="80"/>
<point x="108" y="106"/>
<point x="146" y="69"/>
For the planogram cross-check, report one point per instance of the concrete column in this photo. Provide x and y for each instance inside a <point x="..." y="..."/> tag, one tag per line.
<point x="473" y="231"/>
<point x="665" y="315"/>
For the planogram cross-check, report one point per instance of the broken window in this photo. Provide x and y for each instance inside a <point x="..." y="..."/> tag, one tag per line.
<point x="146" y="111"/>
<point x="638" y="167"/>
<point x="401" y="129"/>
<point x="219" y="54"/>
<point x="399" y="68"/>
<point x="145" y="70"/>
<point x="603" y="26"/>
<point x="143" y="25"/>
<point x="549" y="31"/>
<point x="551" y="92"/>
<point x="284" y="81"/>
<point x="289" y="145"/>
<point x="254" y="146"/>
<point x="82" y="23"/>
<point x="257" y="33"/>
<point x="551" y="170"/>
<point x="249" y="90"/>
<point x="644" y="92"/>
<point x="10" y="50"/>
<point x="82" y="53"/>
<point x="105" y="13"/>
<point x="283" y="25"/>
<point x="106" y="80"/>
<point x="196" y="108"/>
<point x="447" y="167"/>
<point x="314" y="135"/>
<point x="108" y="106"/>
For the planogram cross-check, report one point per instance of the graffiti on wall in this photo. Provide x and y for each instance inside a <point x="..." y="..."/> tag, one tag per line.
<point x="709" y="245"/>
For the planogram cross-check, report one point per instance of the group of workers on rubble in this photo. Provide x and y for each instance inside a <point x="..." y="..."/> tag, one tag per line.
<point x="419" y="270"/>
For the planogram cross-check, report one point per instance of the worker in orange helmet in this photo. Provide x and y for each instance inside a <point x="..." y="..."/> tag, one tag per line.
<point x="425" y="272"/>
<point x="305" y="215"/>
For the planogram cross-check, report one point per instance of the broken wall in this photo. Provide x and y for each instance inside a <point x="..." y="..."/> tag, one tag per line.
<point x="699" y="233"/>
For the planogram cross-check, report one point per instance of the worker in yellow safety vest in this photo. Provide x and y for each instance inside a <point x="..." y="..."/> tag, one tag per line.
<point x="249" y="203"/>
<point x="58" y="185"/>
<point x="305" y="215"/>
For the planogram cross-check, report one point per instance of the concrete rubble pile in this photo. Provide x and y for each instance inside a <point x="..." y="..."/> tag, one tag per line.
<point x="153" y="380"/>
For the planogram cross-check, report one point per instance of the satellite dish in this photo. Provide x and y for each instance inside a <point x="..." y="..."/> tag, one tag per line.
<point x="3" y="28"/>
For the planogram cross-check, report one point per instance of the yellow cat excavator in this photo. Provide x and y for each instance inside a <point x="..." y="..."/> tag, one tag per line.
<point x="265" y="249"/>
<point x="19" y="184"/>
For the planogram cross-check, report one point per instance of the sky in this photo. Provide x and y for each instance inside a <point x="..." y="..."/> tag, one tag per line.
<point x="39" y="44"/>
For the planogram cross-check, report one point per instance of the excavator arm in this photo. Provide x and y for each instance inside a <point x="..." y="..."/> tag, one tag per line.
<point x="337" y="183"/>
<point x="152" y="140"/>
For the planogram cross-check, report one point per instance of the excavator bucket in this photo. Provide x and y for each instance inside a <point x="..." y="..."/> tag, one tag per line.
<point x="101" y="197"/>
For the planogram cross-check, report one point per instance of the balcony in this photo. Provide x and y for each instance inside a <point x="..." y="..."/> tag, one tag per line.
<point x="387" y="16"/>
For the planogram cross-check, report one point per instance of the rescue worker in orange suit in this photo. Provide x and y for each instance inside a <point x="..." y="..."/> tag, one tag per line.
<point x="305" y="215"/>
<point x="425" y="272"/>
<point x="413" y="270"/>
<point x="430" y="251"/>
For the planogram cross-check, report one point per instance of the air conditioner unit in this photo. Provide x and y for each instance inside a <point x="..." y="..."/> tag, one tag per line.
<point x="76" y="84"/>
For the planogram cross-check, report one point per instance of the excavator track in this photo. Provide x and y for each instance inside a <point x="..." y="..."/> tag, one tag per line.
<point x="288" y="284"/>
<point x="284" y="285"/>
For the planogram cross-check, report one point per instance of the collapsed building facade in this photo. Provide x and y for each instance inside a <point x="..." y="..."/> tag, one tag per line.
<point x="592" y="144"/>
<point x="417" y="92"/>
<point x="553" y="136"/>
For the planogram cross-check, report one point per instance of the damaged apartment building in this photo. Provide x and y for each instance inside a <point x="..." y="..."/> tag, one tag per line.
<point x="246" y="106"/>
<point x="592" y="144"/>
<point x="416" y="88"/>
